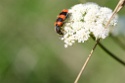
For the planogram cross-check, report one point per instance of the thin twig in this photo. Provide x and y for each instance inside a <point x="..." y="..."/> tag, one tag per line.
<point x="119" y="6"/>
<point x="86" y="61"/>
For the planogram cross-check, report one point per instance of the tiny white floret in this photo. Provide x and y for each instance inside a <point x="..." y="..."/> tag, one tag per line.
<point x="87" y="19"/>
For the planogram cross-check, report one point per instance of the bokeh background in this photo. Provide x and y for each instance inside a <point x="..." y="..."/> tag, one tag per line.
<point x="31" y="51"/>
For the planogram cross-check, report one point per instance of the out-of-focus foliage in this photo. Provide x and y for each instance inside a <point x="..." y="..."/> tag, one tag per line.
<point x="31" y="51"/>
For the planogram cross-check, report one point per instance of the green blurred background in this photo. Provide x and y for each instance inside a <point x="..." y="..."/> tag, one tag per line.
<point x="31" y="51"/>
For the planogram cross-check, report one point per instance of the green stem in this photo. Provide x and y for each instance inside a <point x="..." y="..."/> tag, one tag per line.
<point x="118" y="41"/>
<point x="110" y="53"/>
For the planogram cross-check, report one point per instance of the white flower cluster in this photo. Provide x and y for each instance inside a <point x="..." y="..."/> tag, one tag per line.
<point x="85" y="20"/>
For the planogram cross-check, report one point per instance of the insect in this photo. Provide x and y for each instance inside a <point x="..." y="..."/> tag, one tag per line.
<point x="60" y="21"/>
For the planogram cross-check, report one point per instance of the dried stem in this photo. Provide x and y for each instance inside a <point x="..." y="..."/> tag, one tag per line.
<point x="119" y="6"/>
<point x="86" y="61"/>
